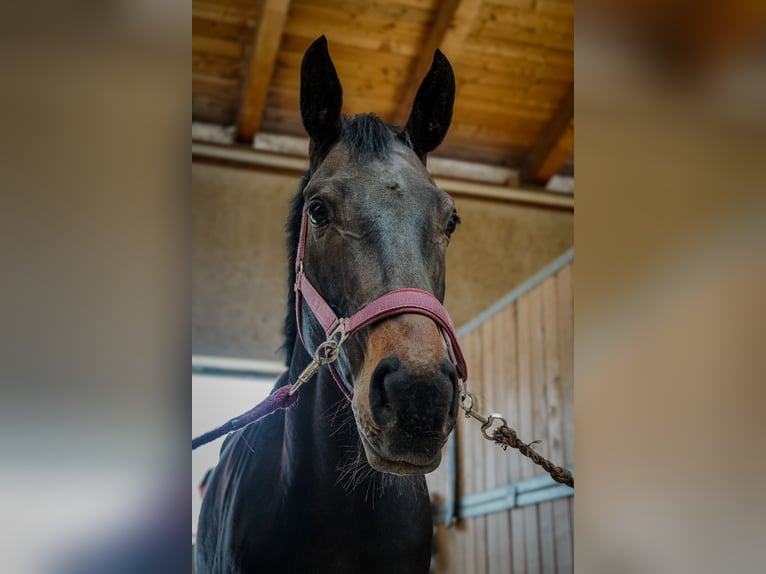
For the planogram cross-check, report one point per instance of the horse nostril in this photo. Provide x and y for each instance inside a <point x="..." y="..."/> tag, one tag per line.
<point x="416" y="402"/>
<point x="451" y="372"/>
<point x="379" y="400"/>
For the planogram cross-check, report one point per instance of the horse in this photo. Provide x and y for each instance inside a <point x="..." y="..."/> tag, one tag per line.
<point x="336" y="482"/>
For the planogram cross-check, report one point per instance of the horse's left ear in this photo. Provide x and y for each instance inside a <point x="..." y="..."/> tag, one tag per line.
<point x="432" y="111"/>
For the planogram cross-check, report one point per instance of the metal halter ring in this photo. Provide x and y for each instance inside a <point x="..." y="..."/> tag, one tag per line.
<point x="487" y="422"/>
<point x="326" y="353"/>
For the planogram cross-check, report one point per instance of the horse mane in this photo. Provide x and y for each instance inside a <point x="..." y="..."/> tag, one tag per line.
<point x="293" y="231"/>
<point x="367" y="137"/>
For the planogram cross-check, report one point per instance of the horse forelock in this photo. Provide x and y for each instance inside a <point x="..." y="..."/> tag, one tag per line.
<point x="367" y="137"/>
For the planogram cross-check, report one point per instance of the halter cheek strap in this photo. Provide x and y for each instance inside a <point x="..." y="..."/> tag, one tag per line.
<point x="397" y="302"/>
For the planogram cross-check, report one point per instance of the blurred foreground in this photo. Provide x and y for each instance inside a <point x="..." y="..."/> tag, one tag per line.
<point x="670" y="275"/>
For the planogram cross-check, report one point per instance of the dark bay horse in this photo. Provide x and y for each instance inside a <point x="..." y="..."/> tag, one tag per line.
<point x="333" y="485"/>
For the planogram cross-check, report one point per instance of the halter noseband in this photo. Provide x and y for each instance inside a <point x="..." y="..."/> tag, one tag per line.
<point x="337" y="330"/>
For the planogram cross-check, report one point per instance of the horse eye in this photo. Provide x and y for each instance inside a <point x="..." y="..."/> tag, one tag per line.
<point x="452" y="224"/>
<point x="318" y="213"/>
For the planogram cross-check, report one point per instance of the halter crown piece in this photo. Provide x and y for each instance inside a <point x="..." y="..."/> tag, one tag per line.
<point x="337" y="330"/>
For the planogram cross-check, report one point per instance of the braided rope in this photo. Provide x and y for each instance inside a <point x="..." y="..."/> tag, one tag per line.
<point x="507" y="437"/>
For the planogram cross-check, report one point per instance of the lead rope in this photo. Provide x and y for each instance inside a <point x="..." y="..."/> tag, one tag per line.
<point x="504" y="436"/>
<point x="284" y="397"/>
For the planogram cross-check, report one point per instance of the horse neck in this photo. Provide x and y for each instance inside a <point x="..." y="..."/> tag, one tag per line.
<point x="317" y="435"/>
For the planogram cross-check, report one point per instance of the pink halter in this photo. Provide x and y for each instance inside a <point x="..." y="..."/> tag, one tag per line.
<point x="395" y="302"/>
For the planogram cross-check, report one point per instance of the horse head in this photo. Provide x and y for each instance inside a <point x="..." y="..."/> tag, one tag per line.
<point x="376" y="223"/>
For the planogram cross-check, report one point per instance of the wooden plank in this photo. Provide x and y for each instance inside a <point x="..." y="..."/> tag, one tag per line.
<point x="217" y="46"/>
<point x="468" y="462"/>
<point x="547" y="156"/>
<point x="564" y="294"/>
<point x="513" y="104"/>
<point x="510" y="53"/>
<point x="354" y="37"/>
<point x="563" y="536"/>
<point x="213" y="110"/>
<point x="223" y="30"/>
<point x="566" y="358"/>
<point x="263" y="56"/>
<point x="282" y="99"/>
<point x="377" y="19"/>
<point x="353" y="85"/>
<point x="555" y="7"/>
<point x="540" y="424"/>
<point x="480" y="449"/>
<point x="518" y="542"/>
<point x="421" y="66"/>
<point x="213" y="86"/>
<point x="420" y="12"/>
<point x="490" y="31"/>
<point x="532" y="20"/>
<point x="547" y="537"/>
<point x="526" y="429"/>
<point x="498" y="525"/>
<point x="462" y="24"/>
<point x="212" y="64"/>
<point x="490" y="349"/>
<point x="207" y="11"/>
<point x="485" y="132"/>
<point x="491" y="70"/>
<point x="343" y="49"/>
<point x="555" y="399"/>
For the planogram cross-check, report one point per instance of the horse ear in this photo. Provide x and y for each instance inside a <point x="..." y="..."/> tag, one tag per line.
<point x="432" y="111"/>
<point x="321" y="95"/>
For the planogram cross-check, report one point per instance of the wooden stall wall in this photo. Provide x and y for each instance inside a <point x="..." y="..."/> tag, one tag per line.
<point x="520" y="364"/>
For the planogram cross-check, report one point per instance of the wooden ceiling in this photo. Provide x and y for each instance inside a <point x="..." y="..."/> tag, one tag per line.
<point x="513" y="62"/>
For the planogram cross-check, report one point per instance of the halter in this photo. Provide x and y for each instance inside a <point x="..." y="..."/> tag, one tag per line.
<point x="337" y="330"/>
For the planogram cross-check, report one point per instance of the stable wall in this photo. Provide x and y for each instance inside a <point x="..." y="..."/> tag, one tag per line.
<point x="520" y="364"/>
<point x="239" y="257"/>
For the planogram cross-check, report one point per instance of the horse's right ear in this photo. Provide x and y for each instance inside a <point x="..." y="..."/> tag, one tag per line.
<point x="432" y="110"/>
<point x="321" y="96"/>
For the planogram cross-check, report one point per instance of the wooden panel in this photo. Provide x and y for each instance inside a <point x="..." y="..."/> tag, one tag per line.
<point x="215" y="65"/>
<point x="498" y="467"/>
<point x="221" y="34"/>
<point x="540" y="422"/>
<point x="481" y="453"/>
<point x="565" y="308"/>
<point x="469" y="461"/>
<point x="520" y="362"/>
<point x="555" y="401"/>
<point x="512" y="382"/>
<point x="526" y="428"/>
<point x="513" y="61"/>
<point x="217" y="46"/>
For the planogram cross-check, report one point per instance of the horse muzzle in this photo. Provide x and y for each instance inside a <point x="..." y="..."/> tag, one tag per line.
<point x="407" y="399"/>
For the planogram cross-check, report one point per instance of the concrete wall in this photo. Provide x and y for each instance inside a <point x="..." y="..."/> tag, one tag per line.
<point x="239" y="258"/>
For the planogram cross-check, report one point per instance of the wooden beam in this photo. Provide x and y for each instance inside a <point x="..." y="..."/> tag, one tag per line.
<point x="547" y="156"/>
<point x="451" y="26"/>
<point x="268" y="36"/>
<point x="293" y="165"/>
